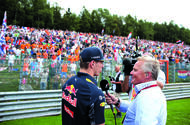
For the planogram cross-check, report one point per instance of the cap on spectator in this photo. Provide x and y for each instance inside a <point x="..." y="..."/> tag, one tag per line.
<point x="91" y="53"/>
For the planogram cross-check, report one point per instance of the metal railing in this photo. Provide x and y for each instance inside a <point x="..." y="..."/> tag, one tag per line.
<point x="28" y="104"/>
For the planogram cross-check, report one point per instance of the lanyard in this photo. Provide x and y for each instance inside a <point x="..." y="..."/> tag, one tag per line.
<point x="154" y="85"/>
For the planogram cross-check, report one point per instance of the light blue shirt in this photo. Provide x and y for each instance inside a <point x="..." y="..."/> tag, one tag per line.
<point x="148" y="108"/>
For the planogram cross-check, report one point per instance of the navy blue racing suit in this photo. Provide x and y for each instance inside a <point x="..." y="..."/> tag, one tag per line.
<point x="83" y="102"/>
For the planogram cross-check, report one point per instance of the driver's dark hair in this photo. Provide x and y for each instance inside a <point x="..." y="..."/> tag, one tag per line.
<point x="84" y="65"/>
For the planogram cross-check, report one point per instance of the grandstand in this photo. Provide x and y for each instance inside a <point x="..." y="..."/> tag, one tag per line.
<point x="37" y="50"/>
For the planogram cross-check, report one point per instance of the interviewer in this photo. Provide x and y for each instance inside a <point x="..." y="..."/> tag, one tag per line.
<point x="149" y="105"/>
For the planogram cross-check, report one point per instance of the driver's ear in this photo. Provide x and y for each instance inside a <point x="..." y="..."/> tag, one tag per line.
<point x="92" y="63"/>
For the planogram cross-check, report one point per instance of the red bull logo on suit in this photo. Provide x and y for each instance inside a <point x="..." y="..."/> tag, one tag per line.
<point x="71" y="89"/>
<point x="69" y="99"/>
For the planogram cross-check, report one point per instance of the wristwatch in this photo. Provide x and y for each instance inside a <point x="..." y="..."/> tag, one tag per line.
<point x="118" y="102"/>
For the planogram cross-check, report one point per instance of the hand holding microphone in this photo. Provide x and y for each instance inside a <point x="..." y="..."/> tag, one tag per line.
<point x="111" y="99"/>
<point x="104" y="84"/>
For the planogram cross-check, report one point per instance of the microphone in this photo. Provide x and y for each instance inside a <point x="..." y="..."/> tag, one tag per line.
<point x="104" y="84"/>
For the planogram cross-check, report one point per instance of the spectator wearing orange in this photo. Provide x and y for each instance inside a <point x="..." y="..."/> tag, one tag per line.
<point x="28" y="45"/>
<point x="45" y="56"/>
<point x="77" y="58"/>
<point x="72" y="58"/>
<point x="156" y="56"/>
<point x="77" y="50"/>
<point x="7" y="38"/>
<point x="177" y="62"/>
<point x="63" y="41"/>
<point x="69" y="58"/>
<point x="64" y="70"/>
<point x="45" y="47"/>
<point x="33" y="45"/>
<point x="26" y="68"/>
<point x="22" y="46"/>
<point x="59" y="52"/>
<point x="38" y="54"/>
<point x="39" y="46"/>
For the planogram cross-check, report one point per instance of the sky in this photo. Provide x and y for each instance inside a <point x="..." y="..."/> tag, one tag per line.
<point x="150" y="10"/>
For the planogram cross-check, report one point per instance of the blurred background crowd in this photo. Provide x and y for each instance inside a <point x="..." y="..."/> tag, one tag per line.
<point x="56" y="52"/>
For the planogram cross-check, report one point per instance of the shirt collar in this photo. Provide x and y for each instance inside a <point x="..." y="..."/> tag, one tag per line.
<point x="141" y="86"/>
<point x="89" y="77"/>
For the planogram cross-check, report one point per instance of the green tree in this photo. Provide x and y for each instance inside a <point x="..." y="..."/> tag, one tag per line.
<point x="57" y="19"/>
<point x="85" y="21"/>
<point x="130" y="25"/>
<point x="148" y="30"/>
<point x="186" y="37"/>
<point x="40" y="12"/>
<point x="74" y="22"/>
<point x="96" y="24"/>
<point x="172" y="32"/>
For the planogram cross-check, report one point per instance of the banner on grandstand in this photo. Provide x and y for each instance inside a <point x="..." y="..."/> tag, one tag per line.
<point x="182" y="74"/>
<point x="3" y="30"/>
<point x="4" y="25"/>
<point x="180" y="42"/>
<point x="129" y="36"/>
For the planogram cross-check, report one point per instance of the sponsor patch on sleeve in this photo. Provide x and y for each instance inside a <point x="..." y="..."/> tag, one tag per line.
<point x="88" y="80"/>
<point x="102" y="104"/>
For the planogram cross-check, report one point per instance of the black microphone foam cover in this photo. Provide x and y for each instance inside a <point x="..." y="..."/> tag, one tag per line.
<point x="104" y="84"/>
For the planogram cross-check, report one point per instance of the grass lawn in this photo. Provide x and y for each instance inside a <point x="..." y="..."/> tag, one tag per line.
<point x="178" y="114"/>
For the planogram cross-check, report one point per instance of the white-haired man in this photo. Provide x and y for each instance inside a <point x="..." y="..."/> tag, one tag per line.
<point x="149" y="104"/>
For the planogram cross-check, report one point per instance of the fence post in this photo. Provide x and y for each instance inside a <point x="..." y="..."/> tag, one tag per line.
<point x="21" y="69"/>
<point x="172" y="72"/>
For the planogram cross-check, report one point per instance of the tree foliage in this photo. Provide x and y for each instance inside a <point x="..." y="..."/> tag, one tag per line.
<point x="39" y="14"/>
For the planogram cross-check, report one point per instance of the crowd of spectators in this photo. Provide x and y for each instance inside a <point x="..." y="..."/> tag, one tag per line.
<point x="39" y="48"/>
